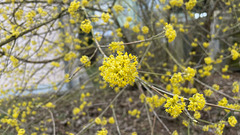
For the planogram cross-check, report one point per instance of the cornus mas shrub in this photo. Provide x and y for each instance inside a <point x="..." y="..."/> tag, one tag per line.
<point x="71" y="67"/>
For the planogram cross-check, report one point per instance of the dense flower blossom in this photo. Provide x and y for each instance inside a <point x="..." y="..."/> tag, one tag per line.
<point x="177" y="3"/>
<point x="73" y="7"/>
<point x="105" y="17"/>
<point x="170" y="33"/>
<point x="85" y="60"/>
<point x="120" y="70"/>
<point x="197" y="102"/>
<point x="118" y="8"/>
<point x="190" y="4"/>
<point x="232" y="121"/>
<point x="234" y="54"/>
<point x="189" y="73"/>
<point x="116" y="46"/>
<point x="145" y="29"/>
<point x="86" y="26"/>
<point x="175" y="106"/>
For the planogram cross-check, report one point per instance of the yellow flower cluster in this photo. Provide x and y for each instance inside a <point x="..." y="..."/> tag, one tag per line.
<point x="223" y="102"/>
<point x="190" y="4"/>
<point x="105" y="17"/>
<point x="119" y="32"/>
<point x="176" y="79"/>
<point x="73" y="7"/>
<point x="205" y="44"/>
<point x="155" y="102"/>
<point x="142" y="97"/>
<point x="14" y="61"/>
<point x="175" y="106"/>
<point x="170" y="33"/>
<point x="225" y="69"/>
<point x="55" y="64"/>
<point x="208" y="92"/>
<point x="145" y="29"/>
<point x="218" y="127"/>
<point x="208" y="60"/>
<point x="134" y="112"/>
<point x="116" y="46"/>
<point x="85" y="3"/>
<point x="175" y="132"/>
<point x="69" y="56"/>
<point x="232" y="121"/>
<point x="136" y="29"/>
<point x="235" y="87"/>
<point x="102" y="132"/>
<point x="197" y="102"/>
<point x="85" y="60"/>
<point x="120" y="70"/>
<point x="197" y="115"/>
<point x="205" y="71"/>
<point x="234" y="54"/>
<point x="189" y="73"/>
<point x="21" y="131"/>
<point x="185" y="123"/>
<point x="49" y="105"/>
<point x="111" y="120"/>
<point x="177" y="3"/>
<point x="118" y="8"/>
<point x="102" y="121"/>
<point x="189" y="90"/>
<point x="86" y="26"/>
<point x="29" y="16"/>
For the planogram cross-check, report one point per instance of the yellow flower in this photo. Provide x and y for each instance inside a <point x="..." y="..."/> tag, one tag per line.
<point x="85" y="60"/>
<point x="69" y="56"/>
<point x="98" y="121"/>
<point x="86" y="26"/>
<point x="76" y="111"/>
<point x="21" y="131"/>
<point x="120" y="70"/>
<point x="111" y="120"/>
<point x="208" y="92"/>
<point x="136" y="29"/>
<point x="116" y="46"/>
<point x="73" y="7"/>
<point x="134" y="133"/>
<point x="234" y="54"/>
<point x="50" y="105"/>
<point x="155" y="101"/>
<point x="177" y="3"/>
<point x="14" y="61"/>
<point x="205" y="44"/>
<point x="197" y="115"/>
<point x="235" y="87"/>
<point x="145" y="29"/>
<point x="118" y="8"/>
<point x="175" y="106"/>
<point x="185" y="123"/>
<point x="170" y="33"/>
<point x="190" y="4"/>
<point x="208" y="60"/>
<point x="189" y="73"/>
<point x="232" y="121"/>
<point x="176" y="79"/>
<point x="102" y="132"/>
<point x="49" y="1"/>
<point x="84" y="2"/>
<point x="55" y="64"/>
<point x="223" y="102"/>
<point x="197" y="102"/>
<point x="175" y="132"/>
<point x="105" y="17"/>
